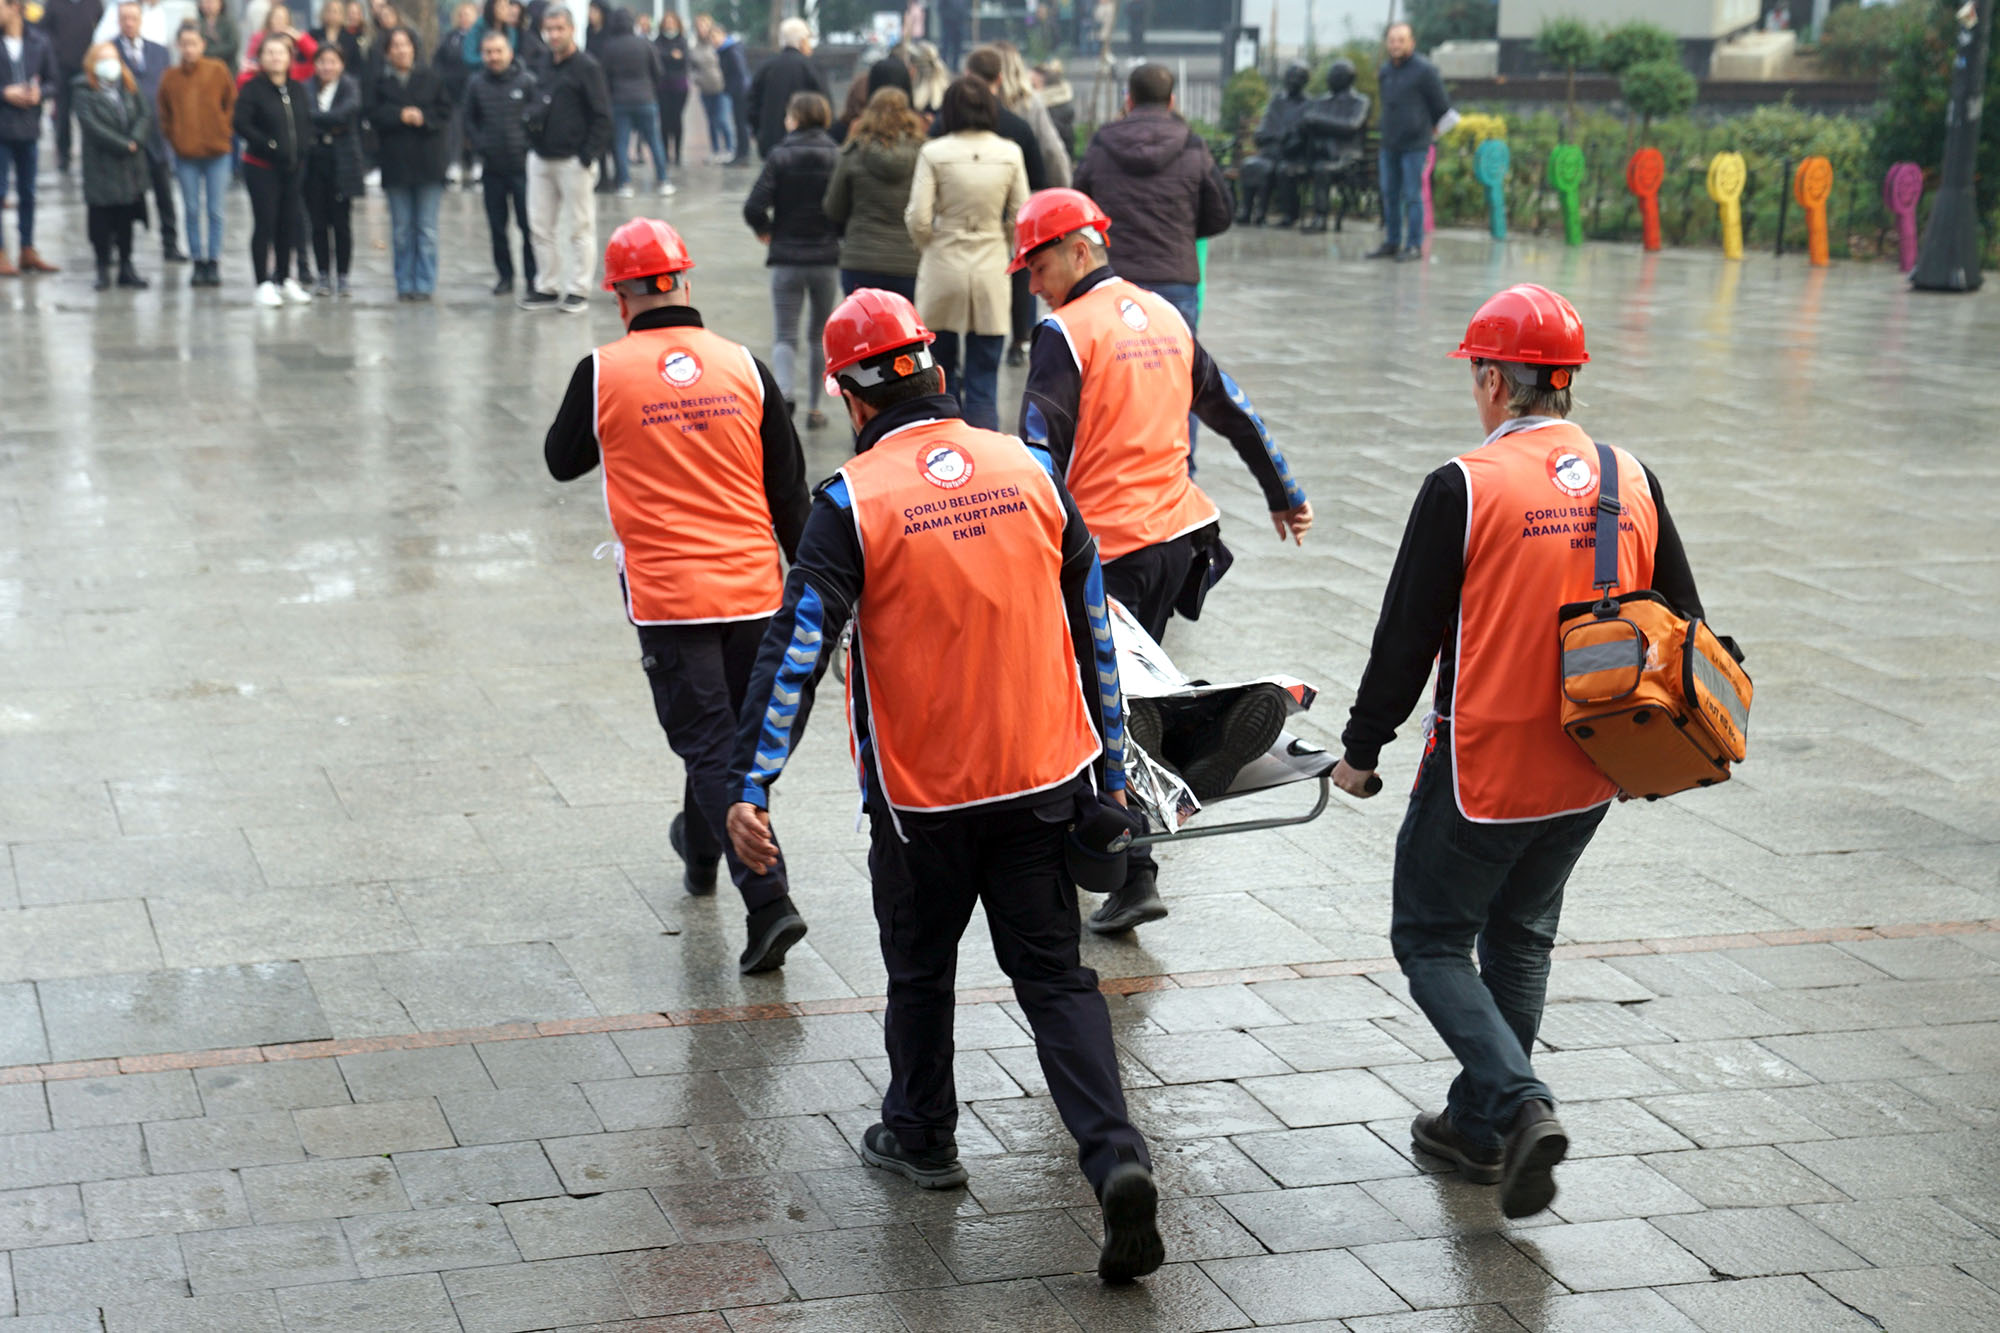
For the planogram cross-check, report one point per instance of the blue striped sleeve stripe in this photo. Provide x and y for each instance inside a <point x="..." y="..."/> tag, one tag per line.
<point x="1110" y="698"/>
<point x="1295" y="494"/>
<point x="774" y="744"/>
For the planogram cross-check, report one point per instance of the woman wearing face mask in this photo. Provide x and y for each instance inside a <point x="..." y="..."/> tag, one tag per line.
<point x="116" y="176"/>
<point x="274" y="120"/>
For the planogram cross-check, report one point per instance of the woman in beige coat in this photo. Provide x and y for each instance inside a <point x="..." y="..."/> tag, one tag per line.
<point x="968" y="185"/>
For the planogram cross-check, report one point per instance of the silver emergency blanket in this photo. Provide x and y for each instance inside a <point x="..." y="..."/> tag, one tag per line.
<point x="1147" y="672"/>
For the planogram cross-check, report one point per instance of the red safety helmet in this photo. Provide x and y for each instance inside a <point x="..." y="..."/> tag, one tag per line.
<point x="1050" y="215"/>
<point x="868" y="324"/>
<point x="1526" y="324"/>
<point x="644" y="248"/>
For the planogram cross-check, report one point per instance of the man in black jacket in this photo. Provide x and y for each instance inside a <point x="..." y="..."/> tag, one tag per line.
<point x="1155" y="179"/>
<point x="69" y="26"/>
<point x="148" y="61"/>
<point x="790" y="71"/>
<point x="494" y="102"/>
<point x="569" y="129"/>
<point x="1413" y="102"/>
<point x="786" y="210"/>
<point x="27" y="81"/>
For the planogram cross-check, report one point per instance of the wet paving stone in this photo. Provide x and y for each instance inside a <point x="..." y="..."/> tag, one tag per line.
<point x="861" y="1259"/>
<point x="1292" y="1288"/>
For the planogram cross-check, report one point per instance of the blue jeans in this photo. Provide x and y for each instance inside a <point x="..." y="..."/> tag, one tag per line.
<point x="1403" y="196"/>
<point x="1496" y="889"/>
<point x="19" y="156"/>
<point x="645" y="120"/>
<point x="204" y="181"/>
<point x="978" y="389"/>
<point x="853" y="280"/>
<point x="721" y="138"/>
<point x="413" y="235"/>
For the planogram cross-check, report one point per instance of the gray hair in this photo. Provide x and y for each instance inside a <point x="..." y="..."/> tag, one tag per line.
<point x="1526" y="395"/>
<point x="559" y="12"/>
<point x="795" y="33"/>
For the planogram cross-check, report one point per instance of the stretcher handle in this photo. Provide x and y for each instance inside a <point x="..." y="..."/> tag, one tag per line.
<point x="1246" y="825"/>
<point x="1374" y="784"/>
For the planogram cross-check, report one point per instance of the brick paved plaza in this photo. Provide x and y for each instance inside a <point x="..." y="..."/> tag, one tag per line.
<point x="346" y="982"/>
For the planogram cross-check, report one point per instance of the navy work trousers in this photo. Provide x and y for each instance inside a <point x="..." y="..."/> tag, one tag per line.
<point x="1495" y="890"/>
<point x="926" y="883"/>
<point x="699" y="674"/>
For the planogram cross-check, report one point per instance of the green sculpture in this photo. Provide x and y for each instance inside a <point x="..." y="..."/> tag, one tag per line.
<point x="1566" y="174"/>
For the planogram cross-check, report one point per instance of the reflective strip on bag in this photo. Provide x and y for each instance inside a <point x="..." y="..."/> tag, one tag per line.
<point x="1711" y="678"/>
<point x="1614" y="655"/>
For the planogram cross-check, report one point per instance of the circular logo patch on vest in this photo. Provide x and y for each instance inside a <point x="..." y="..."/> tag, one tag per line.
<point x="1571" y="473"/>
<point x="680" y="369"/>
<point x="1135" y="318"/>
<point x="944" y="467"/>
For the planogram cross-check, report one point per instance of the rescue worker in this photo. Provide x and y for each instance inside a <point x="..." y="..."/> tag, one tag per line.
<point x="978" y="610"/>
<point x="1112" y="377"/>
<point x="704" y="481"/>
<point x="1504" y="803"/>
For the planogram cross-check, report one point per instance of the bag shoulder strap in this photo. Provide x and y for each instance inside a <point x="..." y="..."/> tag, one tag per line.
<point x="1608" y="510"/>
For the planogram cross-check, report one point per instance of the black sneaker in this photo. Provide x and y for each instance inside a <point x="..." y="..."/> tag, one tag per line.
<point x="1132" y="1245"/>
<point x="1386" y="250"/>
<point x="1238" y="734"/>
<point x="1436" y="1135"/>
<point x="534" y="300"/>
<point x="574" y="304"/>
<point x="1133" y="905"/>
<point x="1143" y="725"/>
<point x="1017" y="354"/>
<point x="1534" y="1145"/>
<point x="504" y="287"/>
<point x="1409" y="254"/>
<point x="773" y="930"/>
<point x="932" y="1169"/>
<point x="697" y="880"/>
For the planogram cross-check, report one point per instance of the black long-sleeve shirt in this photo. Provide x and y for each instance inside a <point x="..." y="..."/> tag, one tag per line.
<point x="1054" y="397"/>
<point x="823" y="590"/>
<point x="1420" y="606"/>
<point x="571" y="446"/>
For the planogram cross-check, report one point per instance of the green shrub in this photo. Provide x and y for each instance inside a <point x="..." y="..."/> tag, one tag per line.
<point x="1243" y="100"/>
<point x="1858" y="42"/>
<point x="1632" y="44"/>
<point x="1655" y="89"/>
<point x="1916" y="92"/>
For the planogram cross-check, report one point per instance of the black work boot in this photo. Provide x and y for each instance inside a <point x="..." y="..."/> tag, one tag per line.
<point x="1534" y="1145"/>
<point x="931" y="1169"/>
<point x="1386" y="250"/>
<point x="1132" y="1245"/>
<point x="1134" y="904"/>
<point x="128" y="276"/>
<point x="696" y="879"/>
<point x="103" y="283"/>
<point x="773" y="929"/>
<point x="1238" y="734"/>
<point x="1436" y="1135"/>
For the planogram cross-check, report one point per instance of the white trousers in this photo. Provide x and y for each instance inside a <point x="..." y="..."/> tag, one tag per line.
<point x="562" y="219"/>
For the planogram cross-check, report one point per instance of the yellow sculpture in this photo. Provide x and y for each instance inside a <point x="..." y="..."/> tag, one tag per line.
<point x="1726" y="174"/>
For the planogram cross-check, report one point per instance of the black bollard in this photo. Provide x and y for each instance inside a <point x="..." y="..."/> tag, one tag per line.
<point x="1948" y="259"/>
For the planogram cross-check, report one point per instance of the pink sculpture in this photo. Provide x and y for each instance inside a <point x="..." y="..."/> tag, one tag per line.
<point x="1901" y="189"/>
<point x="1430" y="214"/>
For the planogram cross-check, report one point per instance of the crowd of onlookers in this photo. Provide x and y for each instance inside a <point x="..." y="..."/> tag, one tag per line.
<point x="912" y="186"/>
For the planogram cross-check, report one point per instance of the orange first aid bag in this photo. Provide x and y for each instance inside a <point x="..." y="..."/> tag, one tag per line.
<point x="1656" y="699"/>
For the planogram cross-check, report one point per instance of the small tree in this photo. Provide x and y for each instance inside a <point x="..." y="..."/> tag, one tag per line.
<point x="1656" y="88"/>
<point x="1569" y="45"/>
<point x="1243" y="99"/>
<point x="1436" y="21"/>
<point x="1631" y="44"/>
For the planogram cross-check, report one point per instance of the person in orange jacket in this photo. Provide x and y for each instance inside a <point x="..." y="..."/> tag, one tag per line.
<point x="978" y="612"/>
<point x="1505" y="802"/>
<point x="704" y="481"/>
<point x="1112" y="377"/>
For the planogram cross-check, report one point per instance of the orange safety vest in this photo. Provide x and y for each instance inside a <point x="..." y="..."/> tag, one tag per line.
<point x="679" y="419"/>
<point x="1531" y="516"/>
<point x="1128" y="468"/>
<point x="972" y="686"/>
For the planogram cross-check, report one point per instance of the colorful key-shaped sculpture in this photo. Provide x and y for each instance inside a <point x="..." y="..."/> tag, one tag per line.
<point x="1726" y="175"/>
<point x="1643" y="176"/>
<point x="1566" y="174"/>
<point x="1901" y="189"/>
<point x="1811" y="184"/>
<point x="1489" y="168"/>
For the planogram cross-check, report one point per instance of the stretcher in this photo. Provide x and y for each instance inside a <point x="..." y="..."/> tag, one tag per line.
<point x="1147" y="672"/>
